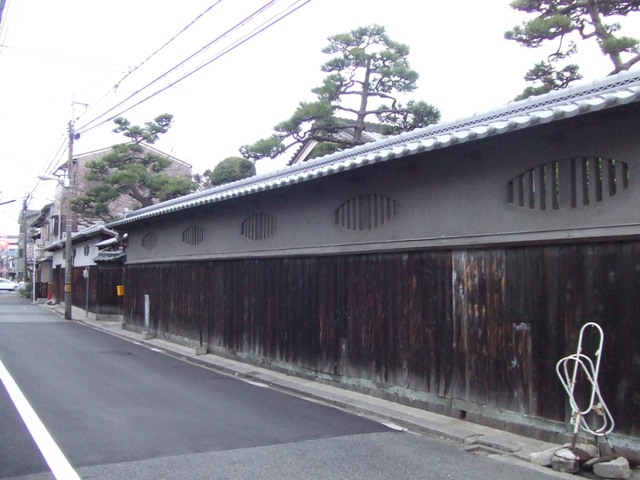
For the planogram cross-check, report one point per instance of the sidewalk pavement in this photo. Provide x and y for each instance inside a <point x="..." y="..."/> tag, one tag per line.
<point x="475" y="438"/>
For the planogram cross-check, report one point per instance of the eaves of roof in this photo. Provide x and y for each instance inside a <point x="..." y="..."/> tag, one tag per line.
<point x="42" y="217"/>
<point x="609" y="92"/>
<point x="108" y="242"/>
<point x="87" y="233"/>
<point x="103" y="151"/>
<point x="105" y="257"/>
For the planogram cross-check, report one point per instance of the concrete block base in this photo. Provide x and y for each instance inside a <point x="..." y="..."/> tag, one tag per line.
<point x="564" y="460"/>
<point x="618" y="468"/>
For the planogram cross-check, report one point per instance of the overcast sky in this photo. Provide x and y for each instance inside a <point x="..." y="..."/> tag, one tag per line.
<point x="62" y="60"/>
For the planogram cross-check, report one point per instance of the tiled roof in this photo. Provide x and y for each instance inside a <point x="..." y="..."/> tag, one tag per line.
<point x="110" y="256"/>
<point x="76" y="237"/>
<point x="108" y="242"/>
<point x="609" y="92"/>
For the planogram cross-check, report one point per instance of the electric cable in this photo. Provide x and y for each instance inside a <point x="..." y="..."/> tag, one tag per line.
<point x="55" y="159"/>
<point x="5" y="21"/>
<point x="264" y="26"/>
<point x="208" y="9"/>
<point x="208" y="45"/>
<point x="158" y="50"/>
<point x="86" y="127"/>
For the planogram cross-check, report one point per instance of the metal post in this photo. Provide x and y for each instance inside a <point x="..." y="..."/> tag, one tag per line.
<point x="34" y="295"/>
<point x="147" y="311"/>
<point x="68" y="246"/>
<point x="86" y="274"/>
<point x="23" y="241"/>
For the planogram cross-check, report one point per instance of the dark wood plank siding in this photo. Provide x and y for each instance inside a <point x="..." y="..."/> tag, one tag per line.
<point x="479" y="325"/>
<point x="103" y="298"/>
<point x="103" y="281"/>
<point x="79" y="291"/>
<point x="58" y="284"/>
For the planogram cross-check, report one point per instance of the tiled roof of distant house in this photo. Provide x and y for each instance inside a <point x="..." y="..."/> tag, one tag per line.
<point x="373" y="132"/>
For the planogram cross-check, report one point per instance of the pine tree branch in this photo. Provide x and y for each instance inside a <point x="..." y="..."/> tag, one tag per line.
<point x="626" y="65"/>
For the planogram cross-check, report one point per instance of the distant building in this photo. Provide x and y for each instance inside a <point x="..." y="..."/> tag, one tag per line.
<point x="124" y="203"/>
<point x="25" y="257"/>
<point x="308" y="149"/>
<point x="8" y="256"/>
<point x="101" y="264"/>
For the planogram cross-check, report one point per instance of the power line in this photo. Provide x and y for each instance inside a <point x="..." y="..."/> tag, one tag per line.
<point x="55" y="160"/>
<point x="273" y="20"/>
<point x="2" y="5"/>
<point x="86" y="127"/>
<point x="238" y="43"/>
<point x="166" y="44"/>
<point x="4" y="25"/>
<point x="137" y="67"/>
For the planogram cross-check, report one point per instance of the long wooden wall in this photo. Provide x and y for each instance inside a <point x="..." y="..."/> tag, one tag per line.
<point x="483" y="326"/>
<point x="104" y="280"/>
<point x="101" y="283"/>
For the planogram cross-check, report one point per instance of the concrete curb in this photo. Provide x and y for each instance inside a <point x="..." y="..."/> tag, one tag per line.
<point x="472" y="437"/>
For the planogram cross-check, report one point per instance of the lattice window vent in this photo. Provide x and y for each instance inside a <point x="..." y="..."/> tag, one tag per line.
<point x="259" y="226"/>
<point x="193" y="235"/>
<point x="571" y="183"/>
<point x="148" y="241"/>
<point x="365" y="212"/>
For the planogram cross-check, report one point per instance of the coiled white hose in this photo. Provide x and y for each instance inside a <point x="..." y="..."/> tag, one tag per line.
<point x="568" y="369"/>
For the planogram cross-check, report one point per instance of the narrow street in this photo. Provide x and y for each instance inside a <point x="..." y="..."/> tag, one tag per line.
<point x="116" y="409"/>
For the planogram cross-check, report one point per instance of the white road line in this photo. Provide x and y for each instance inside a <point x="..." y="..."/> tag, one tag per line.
<point x="393" y="426"/>
<point x="58" y="463"/>
<point x="255" y="384"/>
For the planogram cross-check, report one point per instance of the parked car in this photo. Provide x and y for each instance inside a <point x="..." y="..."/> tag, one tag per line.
<point x="8" y="285"/>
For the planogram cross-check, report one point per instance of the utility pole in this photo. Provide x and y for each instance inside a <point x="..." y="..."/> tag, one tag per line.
<point x="68" y="245"/>
<point x="24" y="239"/>
<point x="2" y="4"/>
<point x="24" y="229"/>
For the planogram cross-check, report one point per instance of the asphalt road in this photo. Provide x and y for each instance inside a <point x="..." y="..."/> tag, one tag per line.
<point x="121" y="410"/>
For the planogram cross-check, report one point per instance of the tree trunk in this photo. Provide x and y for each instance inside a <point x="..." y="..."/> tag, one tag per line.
<point x="602" y="34"/>
<point x="364" y="97"/>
